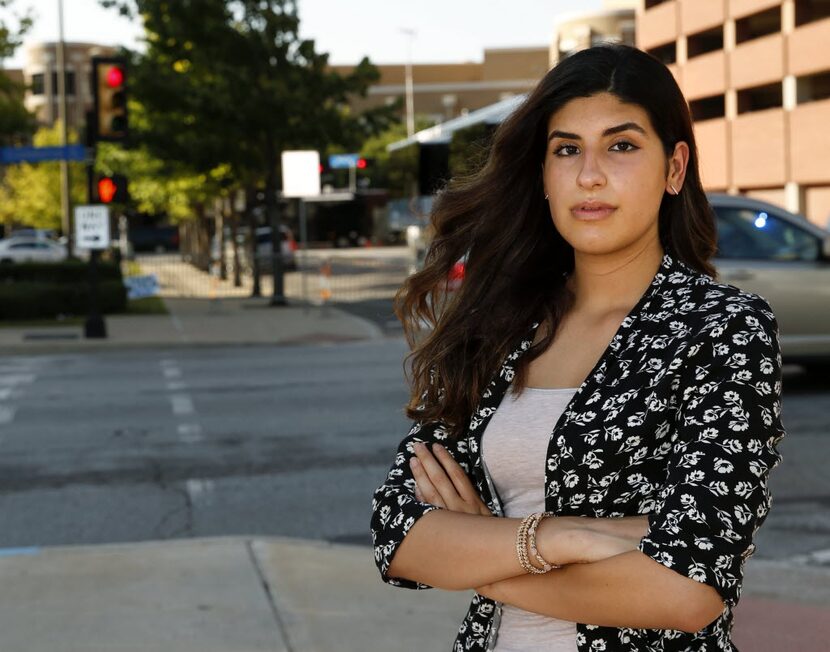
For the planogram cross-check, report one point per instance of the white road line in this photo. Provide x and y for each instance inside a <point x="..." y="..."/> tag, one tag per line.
<point x="190" y="433"/>
<point x="17" y="379"/>
<point x="6" y="414"/>
<point x="172" y="372"/>
<point x="182" y="404"/>
<point x="167" y="362"/>
<point x="176" y="386"/>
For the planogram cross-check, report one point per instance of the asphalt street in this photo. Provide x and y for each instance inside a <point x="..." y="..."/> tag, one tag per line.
<point x="270" y="440"/>
<point x="157" y="444"/>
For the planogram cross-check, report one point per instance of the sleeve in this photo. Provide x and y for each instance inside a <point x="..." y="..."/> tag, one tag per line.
<point x="728" y="428"/>
<point x="394" y="506"/>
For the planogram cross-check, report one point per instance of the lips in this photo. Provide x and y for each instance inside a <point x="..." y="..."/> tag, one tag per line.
<point x="592" y="210"/>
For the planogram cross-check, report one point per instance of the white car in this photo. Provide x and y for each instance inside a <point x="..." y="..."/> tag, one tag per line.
<point x="25" y="249"/>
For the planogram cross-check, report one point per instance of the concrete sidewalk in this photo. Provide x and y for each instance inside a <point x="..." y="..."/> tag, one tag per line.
<point x="279" y="594"/>
<point x="199" y="322"/>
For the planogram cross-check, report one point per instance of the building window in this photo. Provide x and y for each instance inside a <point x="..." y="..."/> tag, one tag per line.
<point x="666" y="53"/>
<point x="759" y="98"/>
<point x="807" y="11"/>
<point x="69" y="80"/>
<point x="706" y="41"/>
<point x="812" y="88"/>
<point x="654" y="3"/>
<point x="758" y="25"/>
<point x="707" y="108"/>
<point x="37" y="84"/>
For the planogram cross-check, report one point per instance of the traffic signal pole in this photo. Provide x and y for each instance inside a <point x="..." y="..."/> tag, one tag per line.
<point x="95" y="327"/>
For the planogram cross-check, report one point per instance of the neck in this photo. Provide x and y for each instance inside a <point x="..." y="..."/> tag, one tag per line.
<point x="610" y="283"/>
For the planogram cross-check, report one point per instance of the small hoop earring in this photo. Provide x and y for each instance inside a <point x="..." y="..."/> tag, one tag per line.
<point x="676" y="192"/>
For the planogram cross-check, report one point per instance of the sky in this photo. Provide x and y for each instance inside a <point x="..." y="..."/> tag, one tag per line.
<point x="446" y="31"/>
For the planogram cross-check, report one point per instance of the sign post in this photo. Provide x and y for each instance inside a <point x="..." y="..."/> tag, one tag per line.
<point x="92" y="231"/>
<point x="301" y="178"/>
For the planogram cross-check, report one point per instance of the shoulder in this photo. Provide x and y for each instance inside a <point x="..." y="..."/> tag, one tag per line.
<point x="721" y="304"/>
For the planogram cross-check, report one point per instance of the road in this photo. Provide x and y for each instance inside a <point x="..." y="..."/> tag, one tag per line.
<point x="290" y="440"/>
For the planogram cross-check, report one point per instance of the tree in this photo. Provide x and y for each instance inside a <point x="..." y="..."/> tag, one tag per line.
<point x="16" y="123"/>
<point x="30" y="193"/>
<point x="230" y="83"/>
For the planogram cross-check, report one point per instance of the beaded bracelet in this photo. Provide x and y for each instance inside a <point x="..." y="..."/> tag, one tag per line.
<point x="546" y="565"/>
<point x="527" y="529"/>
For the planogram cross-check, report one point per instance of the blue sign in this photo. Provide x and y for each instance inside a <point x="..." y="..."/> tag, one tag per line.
<point x="342" y="161"/>
<point x="38" y="154"/>
<point x="139" y="287"/>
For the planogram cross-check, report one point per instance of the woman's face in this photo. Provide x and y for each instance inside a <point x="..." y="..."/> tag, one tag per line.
<point x="605" y="173"/>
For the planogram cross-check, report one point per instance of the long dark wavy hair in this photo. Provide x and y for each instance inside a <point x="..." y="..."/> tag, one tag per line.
<point x="517" y="262"/>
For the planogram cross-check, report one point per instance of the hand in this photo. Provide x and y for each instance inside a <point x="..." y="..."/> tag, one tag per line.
<point x="440" y="481"/>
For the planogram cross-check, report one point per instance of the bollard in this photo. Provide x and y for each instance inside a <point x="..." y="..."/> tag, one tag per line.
<point x="325" y="281"/>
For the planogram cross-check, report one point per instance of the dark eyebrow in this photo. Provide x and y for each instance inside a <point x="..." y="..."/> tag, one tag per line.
<point x="625" y="126"/>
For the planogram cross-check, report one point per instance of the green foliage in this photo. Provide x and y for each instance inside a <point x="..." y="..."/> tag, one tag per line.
<point x="70" y="272"/>
<point x="30" y="193"/>
<point x="43" y="300"/>
<point x="230" y="82"/>
<point x="16" y="123"/>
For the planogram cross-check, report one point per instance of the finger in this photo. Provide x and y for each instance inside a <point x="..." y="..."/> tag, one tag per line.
<point x="422" y="482"/>
<point x="456" y="475"/>
<point x="437" y="477"/>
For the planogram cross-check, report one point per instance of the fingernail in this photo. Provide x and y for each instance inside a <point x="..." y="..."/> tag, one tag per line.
<point x="413" y="462"/>
<point x="438" y="446"/>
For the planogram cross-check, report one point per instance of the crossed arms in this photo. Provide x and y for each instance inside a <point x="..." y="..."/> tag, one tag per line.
<point x="605" y="580"/>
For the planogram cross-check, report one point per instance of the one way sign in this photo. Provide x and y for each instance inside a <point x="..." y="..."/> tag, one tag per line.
<point x="92" y="227"/>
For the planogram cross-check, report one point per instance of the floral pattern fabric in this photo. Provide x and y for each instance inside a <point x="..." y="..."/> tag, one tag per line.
<point x="680" y="419"/>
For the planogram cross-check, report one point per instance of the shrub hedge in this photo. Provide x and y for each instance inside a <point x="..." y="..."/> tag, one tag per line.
<point x="47" y="290"/>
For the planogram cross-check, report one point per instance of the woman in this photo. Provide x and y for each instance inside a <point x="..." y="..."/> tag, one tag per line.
<point x="644" y="408"/>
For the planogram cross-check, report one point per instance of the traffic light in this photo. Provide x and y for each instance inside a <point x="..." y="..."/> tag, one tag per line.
<point x="109" y="84"/>
<point x="113" y="189"/>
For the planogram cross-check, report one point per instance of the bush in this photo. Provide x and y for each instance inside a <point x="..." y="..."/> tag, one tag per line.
<point x="48" y="300"/>
<point x="74" y="272"/>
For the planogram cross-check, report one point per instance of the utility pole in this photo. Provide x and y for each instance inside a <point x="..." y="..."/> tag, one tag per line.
<point x="66" y="208"/>
<point x="410" y="94"/>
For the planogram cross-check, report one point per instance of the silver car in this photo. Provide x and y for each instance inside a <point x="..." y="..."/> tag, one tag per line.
<point x="785" y="258"/>
<point x="27" y="249"/>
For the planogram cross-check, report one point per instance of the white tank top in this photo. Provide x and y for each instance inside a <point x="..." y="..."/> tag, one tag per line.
<point x="514" y="447"/>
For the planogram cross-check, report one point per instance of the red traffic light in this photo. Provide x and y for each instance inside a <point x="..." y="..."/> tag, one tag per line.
<point x="113" y="189"/>
<point x="115" y="77"/>
<point x="361" y="163"/>
<point x="106" y="189"/>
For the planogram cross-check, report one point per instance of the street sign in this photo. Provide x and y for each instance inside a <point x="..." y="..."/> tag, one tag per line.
<point x="343" y="161"/>
<point x="300" y="173"/>
<point x="92" y="227"/>
<point x="38" y="154"/>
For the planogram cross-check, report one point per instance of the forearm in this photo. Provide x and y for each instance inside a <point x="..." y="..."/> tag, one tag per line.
<point x="456" y="551"/>
<point x="627" y="590"/>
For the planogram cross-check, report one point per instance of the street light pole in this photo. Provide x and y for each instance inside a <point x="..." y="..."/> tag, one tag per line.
<point x="410" y="99"/>
<point x="62" y="116"/>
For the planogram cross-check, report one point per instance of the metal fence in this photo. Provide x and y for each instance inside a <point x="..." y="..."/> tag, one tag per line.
<point x="336" y="275"/>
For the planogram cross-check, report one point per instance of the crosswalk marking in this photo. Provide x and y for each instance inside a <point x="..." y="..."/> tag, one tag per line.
<point x="7" y="413"/>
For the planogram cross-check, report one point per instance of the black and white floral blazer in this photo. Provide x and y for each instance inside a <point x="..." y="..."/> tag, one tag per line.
<point x="680" y="419"/>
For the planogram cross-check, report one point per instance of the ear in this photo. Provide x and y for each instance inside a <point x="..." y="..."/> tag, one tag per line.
<point x="677" y="165"/>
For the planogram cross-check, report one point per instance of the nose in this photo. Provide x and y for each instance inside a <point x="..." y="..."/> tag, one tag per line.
<point x="590" y="174"/>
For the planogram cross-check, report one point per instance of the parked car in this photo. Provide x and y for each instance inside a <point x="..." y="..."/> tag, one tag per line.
<point x="158" y="239"/>
<point x="28" y="249"/>
<point x="288" y="247"/>
<point x="765" y="249"/>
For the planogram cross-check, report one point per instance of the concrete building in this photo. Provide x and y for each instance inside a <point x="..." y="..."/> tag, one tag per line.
<point x="615" y="22"/>
<point x="41" y="75"/>
<point x="442" y="91"/>
<point x="756" y="74"/>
